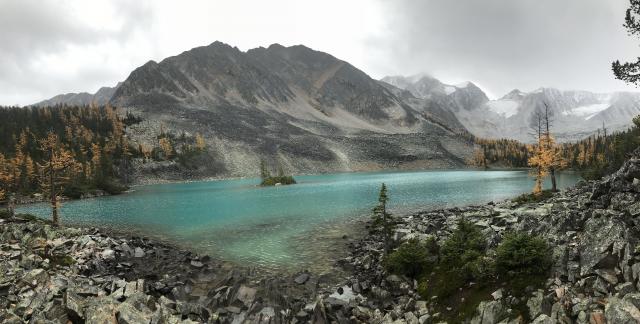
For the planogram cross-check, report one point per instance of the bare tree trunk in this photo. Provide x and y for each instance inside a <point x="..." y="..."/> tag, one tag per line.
<point x="552" y="170"/>
<point x="12" y="206"/>
<point x="52" y="190"/>
<point x="484" y="157"/>
<point x="385" y="228"/>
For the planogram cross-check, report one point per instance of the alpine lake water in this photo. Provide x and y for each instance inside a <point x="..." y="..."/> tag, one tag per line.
<point x="284" y="228"/>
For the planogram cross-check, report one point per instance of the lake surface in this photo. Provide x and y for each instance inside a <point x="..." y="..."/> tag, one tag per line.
<point x="284" y="227"/>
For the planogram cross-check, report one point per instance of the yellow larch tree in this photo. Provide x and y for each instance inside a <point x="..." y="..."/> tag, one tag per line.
<point x="165" y="146"/>
<point x="200" y="142"/>
<point x="5" y="177"/>
<point x="57" y="170"/>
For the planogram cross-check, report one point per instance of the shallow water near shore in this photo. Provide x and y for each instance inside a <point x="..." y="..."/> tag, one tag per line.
<point x="285" y="227"/>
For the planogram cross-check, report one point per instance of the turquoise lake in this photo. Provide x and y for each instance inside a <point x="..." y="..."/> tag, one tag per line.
<point x="284" y="227"/>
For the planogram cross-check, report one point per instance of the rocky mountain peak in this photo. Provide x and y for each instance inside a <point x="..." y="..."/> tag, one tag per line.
<point x="514" y="94"/>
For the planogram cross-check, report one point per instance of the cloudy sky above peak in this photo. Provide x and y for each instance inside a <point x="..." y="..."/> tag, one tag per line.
<point x="48" y="47"/>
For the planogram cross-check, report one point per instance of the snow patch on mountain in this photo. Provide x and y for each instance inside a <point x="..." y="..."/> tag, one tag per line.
<point x="449" y="90"/>
<point x="506" y="108"/>
<point x="588" y="111"/>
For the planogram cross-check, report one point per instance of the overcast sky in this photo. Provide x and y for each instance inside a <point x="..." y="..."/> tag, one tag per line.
<point x="48" y="47"/>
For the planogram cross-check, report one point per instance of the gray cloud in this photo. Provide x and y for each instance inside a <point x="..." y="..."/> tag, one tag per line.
<point x="47" y="48"/>
<point x="506" y="44"/>
<point x="34" y="33"/>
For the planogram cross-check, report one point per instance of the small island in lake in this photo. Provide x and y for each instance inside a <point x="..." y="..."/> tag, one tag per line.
<point x="277" y="180"/>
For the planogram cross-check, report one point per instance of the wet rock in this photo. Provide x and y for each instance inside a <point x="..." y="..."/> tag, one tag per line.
<point x="246" y="295"/>
<point x="138" y="252"/>
<point x="302" y="278"/>
<point x="197" y="264"/>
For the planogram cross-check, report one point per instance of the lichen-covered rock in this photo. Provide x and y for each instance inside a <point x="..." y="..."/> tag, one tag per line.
<point x="624" y="311"/>
<point x="490" y="312"/>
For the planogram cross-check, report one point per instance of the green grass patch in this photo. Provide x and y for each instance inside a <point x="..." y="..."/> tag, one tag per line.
<point x="533" y="198"/>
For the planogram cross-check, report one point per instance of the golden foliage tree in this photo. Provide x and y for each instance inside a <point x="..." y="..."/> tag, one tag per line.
<point x="546" y="158"/>
<point x="479" y="159"/>
<point x="166" y="147"/>
<point x="58" y="169"/>
<point x="200" y="142"/>
<point x="5" y="177"/>
<point x="539" y="161"/>
<point x="145" y="150"/>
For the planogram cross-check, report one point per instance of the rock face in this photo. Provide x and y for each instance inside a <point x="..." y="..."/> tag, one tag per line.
<point x="576" y="114"/>
<point x="305" y="109"/>
<point x="101" y="97"/>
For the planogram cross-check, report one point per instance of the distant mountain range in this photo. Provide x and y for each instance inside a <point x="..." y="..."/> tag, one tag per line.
<point x="101" y="97"/>
<point x="312" y="112"/>
<point x="576" y="114"/>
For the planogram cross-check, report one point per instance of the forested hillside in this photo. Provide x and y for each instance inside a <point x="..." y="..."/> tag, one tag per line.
<point x="594" y="156"/>
<point x="86" y="147"/>
<point x="89" y="143"/>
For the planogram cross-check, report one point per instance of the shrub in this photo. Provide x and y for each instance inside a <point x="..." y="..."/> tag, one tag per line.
<point x="423" y="288"/>
<point x="75" y="191"/>
<point x="4" y="213"/>
<point x="533" y="198"/>
<point x="464" y="248"/>
<point x="523" y="254"/>
<point x="411" y="259"/>
<point x="112" y="187"/>
<point x="28" y="217"/>
<point x="482" y="268"/>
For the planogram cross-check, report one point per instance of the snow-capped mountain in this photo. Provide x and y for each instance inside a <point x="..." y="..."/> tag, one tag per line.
<point x="576" y="114"/>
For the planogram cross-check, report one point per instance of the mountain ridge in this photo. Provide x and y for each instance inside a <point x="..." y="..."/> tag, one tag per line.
<point x="292" y="106"/>
<point x="577" y="113"/>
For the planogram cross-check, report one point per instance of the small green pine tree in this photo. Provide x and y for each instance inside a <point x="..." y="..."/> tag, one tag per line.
<point x="264" y="173"/>
<point x="382" y="219"/>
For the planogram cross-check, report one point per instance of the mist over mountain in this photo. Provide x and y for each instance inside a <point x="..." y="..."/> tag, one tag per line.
<point x="576" y="114"/>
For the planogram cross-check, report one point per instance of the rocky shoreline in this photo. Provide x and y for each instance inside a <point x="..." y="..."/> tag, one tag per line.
<point x="594" y="232"/>
<point x="56" y="275"/>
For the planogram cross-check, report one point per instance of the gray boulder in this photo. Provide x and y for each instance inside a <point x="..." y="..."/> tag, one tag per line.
<point x="623" y="311"/>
